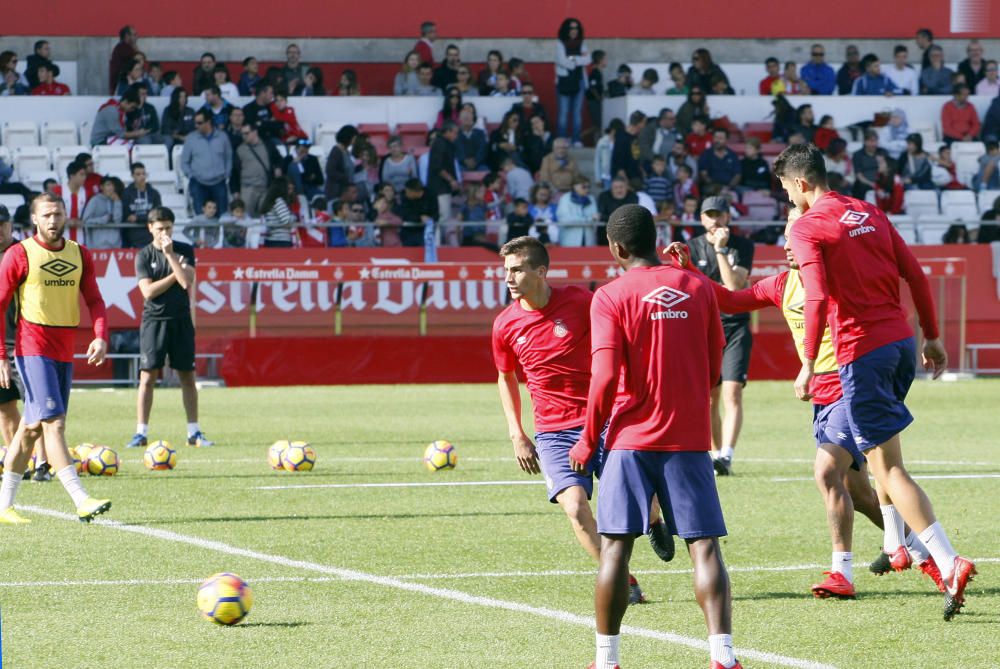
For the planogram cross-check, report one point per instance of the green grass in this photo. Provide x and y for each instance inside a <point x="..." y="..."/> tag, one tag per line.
<point x="377" y="434"/>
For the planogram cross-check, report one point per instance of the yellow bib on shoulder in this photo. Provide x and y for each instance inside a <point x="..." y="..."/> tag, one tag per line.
<point x="50" y="294"/>
<point x="793" y="303"/>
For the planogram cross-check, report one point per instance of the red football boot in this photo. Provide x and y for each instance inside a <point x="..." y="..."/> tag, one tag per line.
<point x="834" y="586"/>
<point x="954" y="588"/>
<point x="718" y="665"/>
<point x="593" y="665"/>
<point x="900" y="560"/>
<point x="930" y="568"/>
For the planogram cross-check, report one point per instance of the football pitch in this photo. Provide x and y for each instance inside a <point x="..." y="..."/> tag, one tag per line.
<point x="372" y="561"/>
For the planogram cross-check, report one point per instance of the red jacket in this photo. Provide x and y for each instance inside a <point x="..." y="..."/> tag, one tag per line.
<point x="957" y="122"/>
<point x="54" y="88"/>
<point x="291" y="129"/>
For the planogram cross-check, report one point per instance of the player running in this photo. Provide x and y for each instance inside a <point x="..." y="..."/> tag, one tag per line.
<point x="547" y="330"/>
<point x="48" y="274"/>
<point x="840" y="469"/>
<point x="851" y="259"/>
<point x="659" y="326"/>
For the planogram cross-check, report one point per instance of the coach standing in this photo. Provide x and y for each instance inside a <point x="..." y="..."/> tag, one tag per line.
<point x="726" y="260"/>
<point x="165" y="270"/>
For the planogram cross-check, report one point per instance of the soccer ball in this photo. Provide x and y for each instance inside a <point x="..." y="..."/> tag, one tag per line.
<point x="83" y="450"/>
<point x="224" y="598"/>
<point x="298" y="457"/>
<point x="440" y="455"/>
<point x="102" y="461"/>
<point x="75" y="457"/>
<point x="160" y="456"/>
<point x="275" y="452"/>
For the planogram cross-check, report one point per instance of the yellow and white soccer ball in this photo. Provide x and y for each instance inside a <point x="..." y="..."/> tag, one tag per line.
<point x="74" y="456"/>
<point x="274" y="453"/>
<point x="83" y="452"/>
<point x="159" y="456"/>
<point x="102" y="461"/>
<point x="224" y="598"/>
<point x="440" y="455"/>
<point x="298" y="457"/>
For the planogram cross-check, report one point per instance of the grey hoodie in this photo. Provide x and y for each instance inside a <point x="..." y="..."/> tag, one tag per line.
<point x="106" y="125"/>
<point x="101" y="210"/>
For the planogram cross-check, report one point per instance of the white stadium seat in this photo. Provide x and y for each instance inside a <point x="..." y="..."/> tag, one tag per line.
<point x="62" y="156"/>
<point x="34" y="180"/>
<point x="986" y="199"/>
<point x="59" y="133"/>
<point x="175" y="158"/>
<point x="176" y="202"/>
<point x="28" y="159"/>
<point x="12" y="202"/>
<point x="932" y="233"/>
<point x="908" y="231"/>
<point x="108" y="159"/>
<point x="164" y="181"/>
<point x="19" y="133"/>
<point x="967" y="149"/>
<point x="153" y="156"/>
<point x="85" y="132"/>
<point x="959" y="205"/>
<point x="921" y="202"/>
<point x="326" y="134"/>
<point x="5" y="155"/>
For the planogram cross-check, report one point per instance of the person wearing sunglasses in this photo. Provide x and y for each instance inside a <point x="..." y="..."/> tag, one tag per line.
<point x="817" y="74"/>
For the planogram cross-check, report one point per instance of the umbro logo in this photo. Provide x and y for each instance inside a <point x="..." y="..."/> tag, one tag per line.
<point x="59" y="267"/>
<point x="841" y="435"/>
<point x="666" y="297"/>
<point x="852" y="217"/>
<point x="521" y="339"/>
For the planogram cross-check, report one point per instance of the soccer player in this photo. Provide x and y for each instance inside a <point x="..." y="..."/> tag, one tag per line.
<point x="658" y="327"/>
<point x="851" y="259"/>
<point x="48" y="274"/>
<point x="840" y="470"/>
<point x="165" y="270"/>
<point x="547" y="330"/>
<point x="726" y="260"/>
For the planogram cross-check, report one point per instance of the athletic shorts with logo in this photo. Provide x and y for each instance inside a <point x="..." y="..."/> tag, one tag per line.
<point x="553" y="456"/>
<point x="46" y="387"/>
<point x="875" y="387"/>
<point x="683" y="481"/>
<point x="831" y="426"/>
<point x="160" y="340"/>
<point x="736" y="354"/>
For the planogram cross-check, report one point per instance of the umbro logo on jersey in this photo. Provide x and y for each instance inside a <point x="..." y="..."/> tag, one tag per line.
<point x="666" y="297"/>
<point x="852" y="217"/>
<point x="59" y="267"/>
<point x="841" y="435"/>
<point x="521" y="340"/>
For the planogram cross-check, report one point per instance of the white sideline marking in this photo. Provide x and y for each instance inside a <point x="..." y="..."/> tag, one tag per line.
<point x="426" y="484"/>
<point x="443" y="593"/>
<point x="166" y="581"/>
<point x="263" y="460"/>
<point x="915" y="476"/>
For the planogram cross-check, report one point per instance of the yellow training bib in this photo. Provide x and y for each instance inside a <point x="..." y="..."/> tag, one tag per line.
<point x="50" y="295"/>
<point x="793" y="303"/>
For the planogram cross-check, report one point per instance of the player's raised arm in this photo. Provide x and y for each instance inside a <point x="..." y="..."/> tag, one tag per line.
<point x="934" y="356"/>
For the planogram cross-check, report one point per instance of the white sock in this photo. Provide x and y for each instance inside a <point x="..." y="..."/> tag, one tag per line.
<point x="8" y="488"/>
<point x="918" y="551"/>
<point x="721" y="648"/>
<point x="727" y="452"/>
<point x="937" y="543"/>
<point x="607" y="651"/>
<point x="71" y="482"/>
<point x="142" y="428"/>
<point x="893" y="529"/>
<point x="844" y="563"/>
<point x="193" y="429"/>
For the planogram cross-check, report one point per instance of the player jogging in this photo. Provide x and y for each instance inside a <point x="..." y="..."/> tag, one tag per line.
<point x="547" y="330"/>
<point x="658" y="326"/>
<point x="165" y="270"/>
<point x="840" y="469"/>
<point x="48" y="274"/>
<point x="851" y="259"/>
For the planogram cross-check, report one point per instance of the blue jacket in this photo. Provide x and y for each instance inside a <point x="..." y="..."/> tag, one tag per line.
<point x="866" y="84"/>
<point x="820" y="78"/>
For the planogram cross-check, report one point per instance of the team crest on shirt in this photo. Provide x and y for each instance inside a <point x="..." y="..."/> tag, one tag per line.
<point x="560" y="330"/>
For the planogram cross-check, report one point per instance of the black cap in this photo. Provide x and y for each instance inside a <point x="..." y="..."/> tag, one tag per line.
<point x="715" y="203"/>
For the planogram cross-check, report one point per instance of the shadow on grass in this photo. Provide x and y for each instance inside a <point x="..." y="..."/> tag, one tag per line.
<point x="279" y="625"/>
<point x="360" y="516"/>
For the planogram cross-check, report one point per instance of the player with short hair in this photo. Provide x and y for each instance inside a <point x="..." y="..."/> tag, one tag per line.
<point x="851" y="260"/>
<point x="48" y="274"/>
<point x="546" y="329"/>
<point x="165" y="270"/>
<point x="658" y="328"/>
<point x="840" y="469"/>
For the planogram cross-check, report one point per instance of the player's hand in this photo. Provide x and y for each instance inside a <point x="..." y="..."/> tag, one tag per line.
<point x="580" y="455"/>
<point x="802" y="383"/>
<point x="679" y="253"/>
<point x="5" y="373"/>
<point x="527" y="456"/>
<point x="166" y="244"/>
<point x="934" y="357"/>
<point x="96" y="352"/>
<point x="720" y="238"/>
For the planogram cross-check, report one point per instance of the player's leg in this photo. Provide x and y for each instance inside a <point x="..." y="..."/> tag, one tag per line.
<point x="735" y="364"/>
<point x="9" y="419"/>
<point x="712" y="590"/>
<point x="863" y="494"/>
<point x="732" y="422"/>
<point x="890" y="522"/>
<point x="575" y="503"/>
<point x="143" y="407"/>
<point x="715" y="411"/>
<point x="180" y="349"/>
<point x="828" y="470"/>
<point x="611" y="596"/>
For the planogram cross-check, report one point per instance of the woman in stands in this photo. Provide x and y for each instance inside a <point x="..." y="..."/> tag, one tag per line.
<point x="133" y="75"/>
<point x="278" y="217"/>
<point x="702" y="70"/>
<point x="506" y="141"/>
<point x="399" y="166"/>
<point x="178" y="119"/>
<point x="312" y="84"/>
<point x="839" y="162"/>
<point x="914" y="165"/>
<point x="349" y="83"/>
<point x="406" y="79"/>
<point x="487" y="80"/>
<point x="572" y="57"/>
<point x="695" y="105"/>
<point x="464" y="81"/>
<point x="451" y="107"/>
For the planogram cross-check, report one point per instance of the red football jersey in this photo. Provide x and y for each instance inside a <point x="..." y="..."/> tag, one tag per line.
<point x="665" y="323"/>
<point x="851" y="257"/>
<point x="552" y="345"/>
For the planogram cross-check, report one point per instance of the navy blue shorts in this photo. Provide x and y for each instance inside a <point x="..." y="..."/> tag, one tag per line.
<point x="553" y="456"/>
<point x="684" y="482"/>
<point x="875" y="386"/>
<point x="830" y="426"/>
<point x="46" y="387"/>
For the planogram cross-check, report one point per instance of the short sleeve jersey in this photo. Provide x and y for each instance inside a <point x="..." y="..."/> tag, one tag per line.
<point x="151" y="263"/>
<point x="665" y="321"/>
<point x="704" y="257"/>
<point x="552" y="346"/>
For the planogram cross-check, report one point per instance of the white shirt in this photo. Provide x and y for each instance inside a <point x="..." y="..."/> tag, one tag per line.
<point x="984" y="87"/>
<point x="229" y="90"/>
<point x="905" y="79"/>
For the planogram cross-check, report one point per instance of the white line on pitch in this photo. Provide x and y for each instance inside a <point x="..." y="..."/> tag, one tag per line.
<point x="336" y="458"/>
<point x="915" y="476"/>
<point x="426" y="484"/>
<point x="166" y="581"/>
<point x="442" y="593"/>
